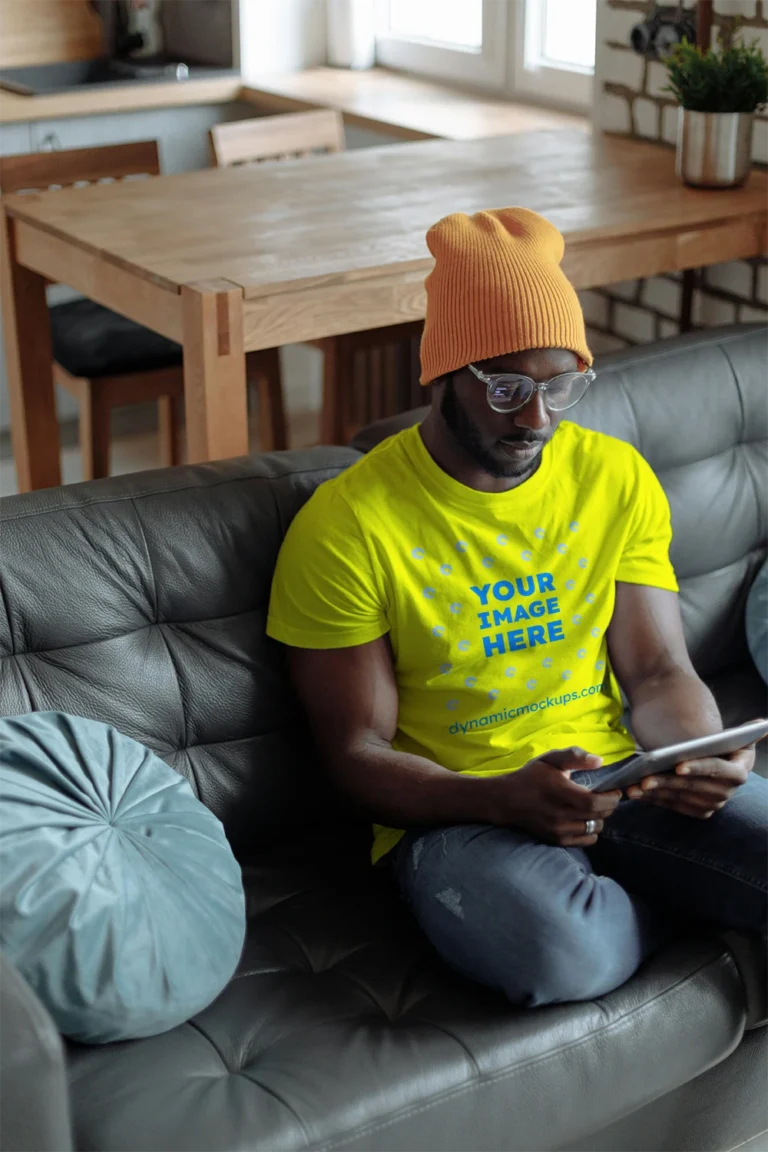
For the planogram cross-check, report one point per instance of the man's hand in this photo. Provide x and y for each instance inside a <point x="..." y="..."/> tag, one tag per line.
<point x="541" y="799"/>
<point x="697" y="788"/>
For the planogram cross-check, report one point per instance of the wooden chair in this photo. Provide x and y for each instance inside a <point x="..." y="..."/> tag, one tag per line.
<point x="290" y="136"/>
<point x="103" y="359"/>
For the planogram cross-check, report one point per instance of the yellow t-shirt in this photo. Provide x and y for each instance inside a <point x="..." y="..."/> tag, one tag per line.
<point x="496" y="604"/>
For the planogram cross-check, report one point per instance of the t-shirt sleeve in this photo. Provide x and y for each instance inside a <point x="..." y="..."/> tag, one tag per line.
<point x="645" y="555"/>
<point x="325" y="593"/>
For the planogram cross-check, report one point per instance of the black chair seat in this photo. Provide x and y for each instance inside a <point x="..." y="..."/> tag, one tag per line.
<point x="90" y="340"/>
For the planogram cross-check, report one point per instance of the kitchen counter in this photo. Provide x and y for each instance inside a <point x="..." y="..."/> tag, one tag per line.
<point x="398" y="105"/>
<point x="131" y="97"/>
<point x="406" y="106"/>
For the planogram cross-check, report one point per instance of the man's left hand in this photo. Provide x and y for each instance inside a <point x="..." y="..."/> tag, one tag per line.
<point x="697" y="788"/>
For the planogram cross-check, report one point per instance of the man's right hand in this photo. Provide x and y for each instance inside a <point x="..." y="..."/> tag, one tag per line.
<point x="541" y="799"/>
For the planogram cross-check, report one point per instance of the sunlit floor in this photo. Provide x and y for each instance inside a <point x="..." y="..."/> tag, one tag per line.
<point x="137" y="451"/>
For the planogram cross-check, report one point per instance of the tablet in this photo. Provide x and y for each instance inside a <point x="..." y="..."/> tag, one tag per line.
<point x="665" y="759"/>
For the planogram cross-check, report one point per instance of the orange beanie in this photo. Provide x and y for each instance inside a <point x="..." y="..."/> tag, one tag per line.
<point x="497" y="287"/>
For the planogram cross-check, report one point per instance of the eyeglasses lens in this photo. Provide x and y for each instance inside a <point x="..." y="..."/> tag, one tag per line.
<point x="563" y="392"/>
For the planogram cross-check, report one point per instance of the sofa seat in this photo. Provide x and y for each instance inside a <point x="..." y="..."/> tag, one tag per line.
<point x="342" y="1029"/>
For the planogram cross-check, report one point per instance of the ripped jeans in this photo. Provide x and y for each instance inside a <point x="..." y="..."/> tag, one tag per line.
<point x="545" y="924"/>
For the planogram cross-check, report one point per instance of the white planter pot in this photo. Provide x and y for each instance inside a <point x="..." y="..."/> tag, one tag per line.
<point x="351" y="33"/>
<point x="714" y="149"/>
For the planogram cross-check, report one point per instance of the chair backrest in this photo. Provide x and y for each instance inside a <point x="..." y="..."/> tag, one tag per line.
<point x="277" y="137"/>
<point x="37" y="171"/>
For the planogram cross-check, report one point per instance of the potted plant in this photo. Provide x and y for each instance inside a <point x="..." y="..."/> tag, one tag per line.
<point x="718" y="93"/>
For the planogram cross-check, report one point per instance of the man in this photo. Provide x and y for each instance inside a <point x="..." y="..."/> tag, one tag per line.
<point x="460" y="608"/>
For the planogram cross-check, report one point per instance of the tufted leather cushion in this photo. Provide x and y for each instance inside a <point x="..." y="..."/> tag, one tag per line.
<point x="342" y="1030"/>
<point x="90" y="340"/>
<point x="152" y="619"/>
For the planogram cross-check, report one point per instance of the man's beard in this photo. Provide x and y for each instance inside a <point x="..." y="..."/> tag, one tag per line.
<point x="467" y="435"/>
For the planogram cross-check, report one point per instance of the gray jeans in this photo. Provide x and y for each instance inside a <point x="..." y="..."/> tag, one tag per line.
<point x="546" y="924"/>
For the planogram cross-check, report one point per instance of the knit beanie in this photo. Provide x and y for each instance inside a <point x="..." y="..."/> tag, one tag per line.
<point x="497" y="287"/>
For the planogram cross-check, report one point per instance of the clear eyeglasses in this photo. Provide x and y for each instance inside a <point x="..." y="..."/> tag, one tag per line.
<point x="510" y="392"/>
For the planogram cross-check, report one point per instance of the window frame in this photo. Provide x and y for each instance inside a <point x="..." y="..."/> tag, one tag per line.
<point x="485" y="67"/>
<point x="545" y="83"/>
<point x="512" y="33"/>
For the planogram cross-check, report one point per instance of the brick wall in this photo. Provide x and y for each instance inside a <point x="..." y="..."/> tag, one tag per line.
<point x="629" y="100"/>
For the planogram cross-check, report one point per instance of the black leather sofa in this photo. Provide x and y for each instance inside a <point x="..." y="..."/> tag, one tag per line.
<point x="141" y="601"/>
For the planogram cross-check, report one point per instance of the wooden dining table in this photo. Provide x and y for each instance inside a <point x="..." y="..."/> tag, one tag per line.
<point x="226" y="261"/>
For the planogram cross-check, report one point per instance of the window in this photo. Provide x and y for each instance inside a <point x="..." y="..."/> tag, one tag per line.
<point x="540" y="49"/>
<point x="459" y="40"/>
<point x="554" y="50"/>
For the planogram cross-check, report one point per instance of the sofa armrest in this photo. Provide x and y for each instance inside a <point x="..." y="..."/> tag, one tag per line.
<point x="34" y="1099"/>
<point x="748" y="951"/>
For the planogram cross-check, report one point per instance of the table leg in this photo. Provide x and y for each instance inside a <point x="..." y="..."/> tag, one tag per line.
<point x="27" y="337"/>
<point x="338" y="370"/>
<point x="214" y="370"/>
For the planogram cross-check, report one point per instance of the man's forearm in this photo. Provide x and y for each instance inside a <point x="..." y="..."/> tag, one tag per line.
<point x="673" y="708"/>
<point x="402" y="790"/>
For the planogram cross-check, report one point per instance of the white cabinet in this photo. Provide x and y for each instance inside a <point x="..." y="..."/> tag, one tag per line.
<point x="14" y="139"/>
<point x="182" y="133"/>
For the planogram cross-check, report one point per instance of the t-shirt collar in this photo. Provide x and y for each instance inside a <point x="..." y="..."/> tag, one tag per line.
<point x="445" y="487"/>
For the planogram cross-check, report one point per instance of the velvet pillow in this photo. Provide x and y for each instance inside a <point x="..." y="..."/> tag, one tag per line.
<point x="757" y="621"/>
<point x="121" y="902"/>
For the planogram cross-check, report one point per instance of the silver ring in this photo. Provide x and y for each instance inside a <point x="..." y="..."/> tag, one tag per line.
<point x="591" y="827"/>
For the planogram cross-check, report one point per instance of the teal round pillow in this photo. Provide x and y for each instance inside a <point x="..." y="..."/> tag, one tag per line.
<point x="756" y="620"/>
<point x="121" y="901"/>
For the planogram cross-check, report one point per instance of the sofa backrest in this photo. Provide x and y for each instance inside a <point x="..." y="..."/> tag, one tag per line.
<point x="696" y="407"/>
<point x="141" y="601"/>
